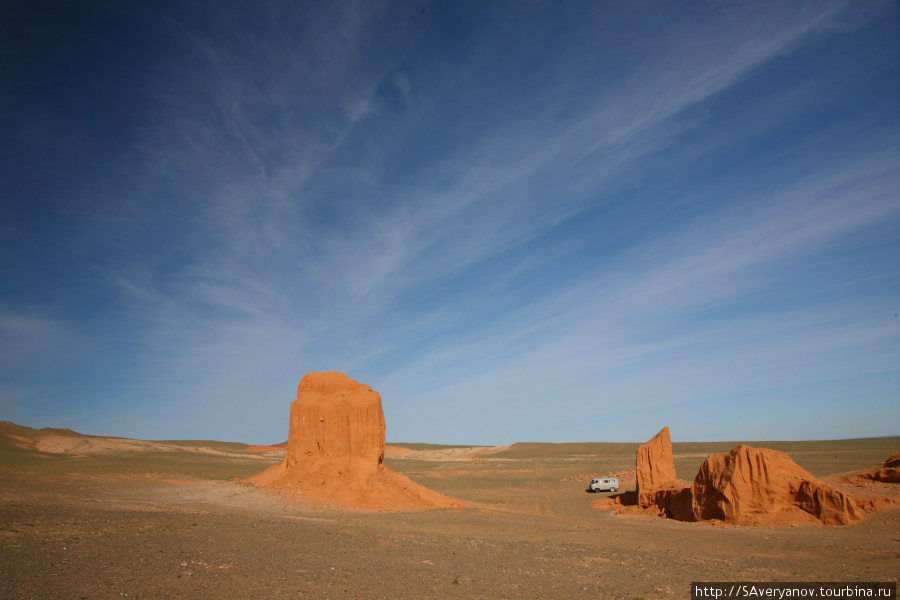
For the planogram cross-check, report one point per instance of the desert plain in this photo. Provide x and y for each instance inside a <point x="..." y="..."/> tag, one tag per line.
<point x="98" y="517"/>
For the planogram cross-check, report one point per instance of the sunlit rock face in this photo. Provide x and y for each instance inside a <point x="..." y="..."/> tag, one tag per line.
<point x="335" y="450"/>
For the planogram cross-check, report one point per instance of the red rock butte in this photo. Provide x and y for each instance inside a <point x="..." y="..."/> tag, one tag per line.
<point x="655" y="468"/>
<point x="760" y="486"/>
<point x="746" y="486"/>
<point x="335" y="450"/>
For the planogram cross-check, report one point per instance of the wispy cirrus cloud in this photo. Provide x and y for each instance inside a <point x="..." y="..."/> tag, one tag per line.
<point x="497" y="226"/>
<point x="360" y="268"/>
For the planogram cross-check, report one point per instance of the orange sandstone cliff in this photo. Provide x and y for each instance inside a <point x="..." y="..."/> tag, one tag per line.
<point x="656" y="483"/>
<point x="760" y="486"/>
<point x="335" y="450"/>
<point x="747" y="486"/>
<point x="654" y="466"/>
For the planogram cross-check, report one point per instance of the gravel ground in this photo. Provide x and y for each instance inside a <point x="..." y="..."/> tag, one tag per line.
<point x="76" y="536"/>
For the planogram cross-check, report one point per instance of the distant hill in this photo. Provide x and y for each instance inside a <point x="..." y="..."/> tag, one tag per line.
<point x="64" y="441"/>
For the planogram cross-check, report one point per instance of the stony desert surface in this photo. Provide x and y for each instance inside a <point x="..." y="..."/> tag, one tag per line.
<point x="94" y="517"/>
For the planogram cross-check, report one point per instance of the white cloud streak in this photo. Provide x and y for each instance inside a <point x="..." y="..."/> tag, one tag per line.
<point x="282" y="280"/>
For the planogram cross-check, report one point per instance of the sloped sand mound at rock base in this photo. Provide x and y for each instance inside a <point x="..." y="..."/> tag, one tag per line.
<point x="335" y="450"/>
<point x="380" y="489"/>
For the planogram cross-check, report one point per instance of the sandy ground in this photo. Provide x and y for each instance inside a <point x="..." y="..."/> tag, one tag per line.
<point x="173" y="525"/>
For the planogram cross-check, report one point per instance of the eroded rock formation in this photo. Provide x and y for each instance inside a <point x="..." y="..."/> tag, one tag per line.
<point x="335" y="450"/>
<point x="760" y="486"/>
<point x="886" y="472"/>
<point x="656" y="483"/>
<point x="746" y="486"/>
<point x="654" y="467"/>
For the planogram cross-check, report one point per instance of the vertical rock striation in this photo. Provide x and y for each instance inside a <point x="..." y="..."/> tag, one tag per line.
<point x="654" y="467"/>
<point x="746" y="486"/>
<point x="335" y="450"/>
<point x="760" y="486"/>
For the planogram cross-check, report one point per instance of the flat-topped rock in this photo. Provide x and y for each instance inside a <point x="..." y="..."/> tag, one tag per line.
<point x="335" y="450"/>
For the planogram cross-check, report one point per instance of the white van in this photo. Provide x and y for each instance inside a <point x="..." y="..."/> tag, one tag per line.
<point x="605" y="484"/>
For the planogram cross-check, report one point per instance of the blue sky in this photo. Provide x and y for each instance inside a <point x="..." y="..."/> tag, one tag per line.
<point x="530" y="221"/>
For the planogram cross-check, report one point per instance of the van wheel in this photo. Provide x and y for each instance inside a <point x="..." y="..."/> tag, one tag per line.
<point x="614" y="490"/>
